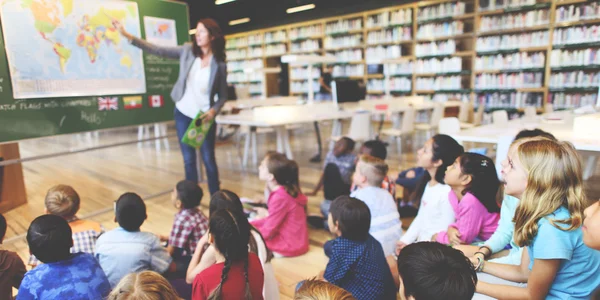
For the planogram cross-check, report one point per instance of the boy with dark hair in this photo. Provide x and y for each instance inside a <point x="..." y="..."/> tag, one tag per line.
<point x="356" y="260"/>
<point x="12" y="267"/>
<point x="63" y="275"/>
<point x="189" y="225"/>
<point x="430" y="270"/>
<point x="126" y="249"/>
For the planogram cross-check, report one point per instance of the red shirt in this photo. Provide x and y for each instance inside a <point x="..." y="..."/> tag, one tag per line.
<point x="235" y="286"/>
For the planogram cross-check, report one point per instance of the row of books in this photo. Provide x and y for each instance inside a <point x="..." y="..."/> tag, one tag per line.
<point x="342" y="26"/>
<point x="237" y="54"/>
<point x="435" y="48"/>
<point x="509" y="100"/>
<point x="254" y="52"/>
<point x="348" y="70"/>
<point x="445" y="97"/>
<point x="306" y="31"/>
<point x="237" y="42"/>
<point x="509" y="81"/>
<point x="395" y="84"/>
<point x="516" y="20"/>
<point x="502" y="4"/>
<point x="514" y="61"/>
<point x="244" y="77"/>
<point x="435" y="65"/>
<point x="563" y="100"/>
<point x="577" y="79"/>
<point x="275" y="49"/>
<point x="376" y="54"/>
<point x="302" y="87"/>
<point x="405" y="68"/>
<point x="402" y="16"/>
<point x="439" y="83"/>
<point x="240" y="65"/>
<point x="302" y="73"/>
<point x="305" y="45"/>
<point x="576" y="35"/>
<point x="579" y="12"/>
<point x="342" y="41"/>
<point x="513" y="41"/>
<point x="433" y="30"/>
<point x="390" y="35"/>
<point x="566" y="58"/>
<point x="347" y="55"/>
<point x="255" y="39"/>
<point x="441" y="11"/>
<point x="275" y="36"/>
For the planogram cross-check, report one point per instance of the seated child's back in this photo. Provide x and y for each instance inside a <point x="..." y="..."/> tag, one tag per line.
<point x="356" y="260"/>
<point x="386" y="226"/>
<point x="63" y="275"/>
<point x="12" y="267"/>
<point x="63" y="201"/>
<point x="126" y="249"/>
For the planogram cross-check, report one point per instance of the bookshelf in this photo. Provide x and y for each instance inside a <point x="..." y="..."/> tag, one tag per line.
<point x="502" y="54"/>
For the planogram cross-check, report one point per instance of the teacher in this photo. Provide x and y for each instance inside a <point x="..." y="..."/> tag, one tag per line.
<point x="201" y="86"/>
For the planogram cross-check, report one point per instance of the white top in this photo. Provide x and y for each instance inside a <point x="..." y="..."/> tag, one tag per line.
<point x="197" y="92"/>
<point x="435" y="215"/>
<point x="386" y="226"/>
<point x="271" y="286"/>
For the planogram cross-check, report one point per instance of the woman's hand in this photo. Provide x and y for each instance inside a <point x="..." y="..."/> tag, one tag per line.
<point x="122" y="30"/>
<point x="208" y="116"/>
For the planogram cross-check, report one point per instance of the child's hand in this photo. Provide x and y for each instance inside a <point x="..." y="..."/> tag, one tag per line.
<point x="203" y="241"/>
<point x="163" y="238"/>
<point x="410" y="174"/>
<point x="434" y="238"/>
<point x="311" y="194"/>
<point x="399" y="246"/>
<point x="261" y="212"/>
<point x="454" y="236"/>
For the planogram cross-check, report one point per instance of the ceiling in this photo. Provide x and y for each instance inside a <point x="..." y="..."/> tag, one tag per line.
<point x="269" y="13"/>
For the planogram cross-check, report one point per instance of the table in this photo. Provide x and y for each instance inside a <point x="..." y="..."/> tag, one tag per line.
<point x="503" y="135"/>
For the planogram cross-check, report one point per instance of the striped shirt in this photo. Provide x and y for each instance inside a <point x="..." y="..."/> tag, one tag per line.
<point x="386" y="226"/>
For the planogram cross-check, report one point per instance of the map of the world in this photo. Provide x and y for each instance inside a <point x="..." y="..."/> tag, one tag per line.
<point x="60" y="48"/>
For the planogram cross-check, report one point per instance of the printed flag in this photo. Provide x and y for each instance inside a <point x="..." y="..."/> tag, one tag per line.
<point x="132" y="102"/>
<point x="156" y="101"/>
<point x="108" y="103"/>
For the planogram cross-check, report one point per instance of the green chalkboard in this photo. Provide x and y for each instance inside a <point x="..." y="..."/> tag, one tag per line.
<point x="39" y="117"/>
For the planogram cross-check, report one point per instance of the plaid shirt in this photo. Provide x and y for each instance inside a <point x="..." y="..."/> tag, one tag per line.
<point x="188" y="227"/>
<point x="85" y="234"/>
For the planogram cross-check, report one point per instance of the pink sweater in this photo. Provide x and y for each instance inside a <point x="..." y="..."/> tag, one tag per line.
<point x="285" y="230"/>
<point x="472" y="220"/>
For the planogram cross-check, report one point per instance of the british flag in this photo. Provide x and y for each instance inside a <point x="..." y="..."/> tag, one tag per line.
<point x="108" y="103"/>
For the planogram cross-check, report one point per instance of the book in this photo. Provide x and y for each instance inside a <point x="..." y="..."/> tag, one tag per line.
<point x="197" y="131"/>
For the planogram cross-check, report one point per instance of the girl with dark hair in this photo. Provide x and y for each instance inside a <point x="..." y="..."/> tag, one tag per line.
<point x="225" y="199"/>
<point x="283" y="225"/>
<point x="435" y="212"/>
<point x="201" y="86"/>
<point x="474" y="182"/>
<point x="237" y="274"/>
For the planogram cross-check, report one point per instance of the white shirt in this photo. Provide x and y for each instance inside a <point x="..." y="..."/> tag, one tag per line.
<point x="386" y="226"/>
<point x="435" y="215"/>
<point x="271" y="286"/>
<point x="197" y="92"/>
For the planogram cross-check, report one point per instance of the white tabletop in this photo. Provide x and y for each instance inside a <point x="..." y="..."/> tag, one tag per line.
<point x="273" y="116"/>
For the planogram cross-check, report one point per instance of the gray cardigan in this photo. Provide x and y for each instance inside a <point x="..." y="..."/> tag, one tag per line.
<point x="218" y="70"/>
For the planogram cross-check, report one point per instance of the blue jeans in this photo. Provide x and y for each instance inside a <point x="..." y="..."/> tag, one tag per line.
<point x="182" y="122"/>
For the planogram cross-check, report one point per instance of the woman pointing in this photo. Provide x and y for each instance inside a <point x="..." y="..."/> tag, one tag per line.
<point x="201" y="86"/>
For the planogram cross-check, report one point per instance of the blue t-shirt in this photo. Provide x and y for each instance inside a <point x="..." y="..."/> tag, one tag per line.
<point x="360" y="268"/>
<point x="79" y="277"/>
<point x="578" y="275"/>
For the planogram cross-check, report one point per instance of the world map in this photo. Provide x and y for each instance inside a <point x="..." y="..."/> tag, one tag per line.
<point x="59" y="48"/>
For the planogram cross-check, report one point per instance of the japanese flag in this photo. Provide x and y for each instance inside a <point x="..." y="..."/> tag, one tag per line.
<point x="156" y="101"/>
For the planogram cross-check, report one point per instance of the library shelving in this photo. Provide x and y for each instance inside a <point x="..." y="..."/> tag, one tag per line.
<point x="499" y="53"/>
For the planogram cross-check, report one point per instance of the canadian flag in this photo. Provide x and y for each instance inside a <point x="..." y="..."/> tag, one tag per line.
<point x="156" y="101"/>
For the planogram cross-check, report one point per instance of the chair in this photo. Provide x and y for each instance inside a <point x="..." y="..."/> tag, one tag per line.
<point x="478" y="119"/>
<point x="242" y="92"/>
<point x="407" y="127"/>
<point x="360" y="128"/>
<point x="500" y="117"/>
<point x="449" y="126"/>
<point x="530" y="113"/>
<point x="548" y="108"/>
<point x="463" y="115"/>
<point x="436" y="116"/>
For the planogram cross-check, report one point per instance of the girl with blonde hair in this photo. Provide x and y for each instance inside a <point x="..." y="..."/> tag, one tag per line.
<point x="547" y="178"/>
<point x="146" y="285"/>
<point x="314" y="289"/>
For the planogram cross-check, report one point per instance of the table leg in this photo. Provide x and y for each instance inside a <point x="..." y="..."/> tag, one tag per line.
<point x="246" y="148"/>
<point x="279" y="133"/>
<point x="286" y="144"/>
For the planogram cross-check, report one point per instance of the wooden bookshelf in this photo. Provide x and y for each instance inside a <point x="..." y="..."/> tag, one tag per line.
<point x="374" y="28"/>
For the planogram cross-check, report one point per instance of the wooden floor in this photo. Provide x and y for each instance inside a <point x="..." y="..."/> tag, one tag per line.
<point x="100" y="176"/>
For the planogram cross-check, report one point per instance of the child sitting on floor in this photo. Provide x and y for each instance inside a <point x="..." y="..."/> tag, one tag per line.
<point x="189" y="225"/>
<point x="376" y="148"/>
<point x="386" y="226"/>
<point x="283" y="225"/>
<point x="433" y="271"/>
<point x="357" y="262"/>
<point x="126" y="249"/>
<point x="12" y="267"/>
<point x="474" y="182"/>
<point x="314" y="289"/>
<point x="145" y="285"/>
<point x="62" y="275"/>
<point x="63" y="201"/>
